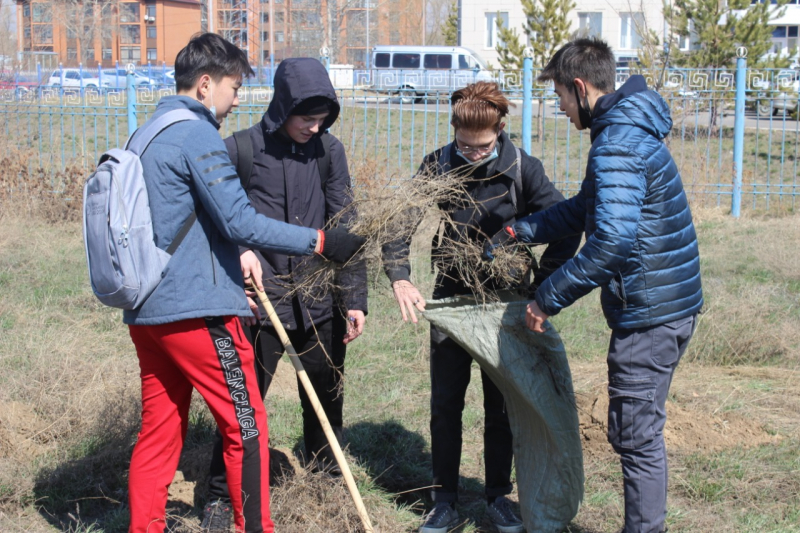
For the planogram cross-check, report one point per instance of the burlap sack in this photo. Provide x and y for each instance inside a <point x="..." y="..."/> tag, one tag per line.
<point x="532" y="371"/>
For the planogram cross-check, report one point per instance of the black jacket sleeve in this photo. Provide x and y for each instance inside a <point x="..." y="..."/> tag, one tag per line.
<point x="339" y="206"/>
<point x="540" y="193"/>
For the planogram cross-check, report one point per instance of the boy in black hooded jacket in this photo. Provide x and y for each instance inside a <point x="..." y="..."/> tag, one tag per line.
<point x="293" y="180"/>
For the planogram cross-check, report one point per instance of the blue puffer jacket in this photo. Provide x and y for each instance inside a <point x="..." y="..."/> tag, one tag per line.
<point x="641" y="246"/>
<point x="186" y="168"/>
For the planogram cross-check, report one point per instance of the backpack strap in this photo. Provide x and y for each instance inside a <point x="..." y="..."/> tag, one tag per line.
<point x="142" y="137"/>
<point x="182" y="233"/>
<point x="516" y="190"/>
<point x="324" y="162"/>
<point x="139" y="144"/>
<point x="444" y="157"/>
<point x="244" y="156"/>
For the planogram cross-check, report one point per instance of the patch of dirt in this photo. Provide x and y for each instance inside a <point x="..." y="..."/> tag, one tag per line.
<point x="689" y="428"/>
<point x="21" y="431"/>
<point x="189" y="484"/>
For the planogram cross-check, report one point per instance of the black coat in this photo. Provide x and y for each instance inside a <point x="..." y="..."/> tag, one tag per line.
<point x="491" y="208"/>
<point x="285" y="185"/>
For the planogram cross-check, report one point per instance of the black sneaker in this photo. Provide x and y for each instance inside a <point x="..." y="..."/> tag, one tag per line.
<point x="217" y="517"/>
<point x="503" y="517"/>
<point x="441" y="519"/>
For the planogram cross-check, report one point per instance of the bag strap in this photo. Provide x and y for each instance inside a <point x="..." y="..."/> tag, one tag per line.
<point x="244" y="156"/>
<point x="142" y="137"/>
<point x="444" y="157"/>
<point x="516" y="190"/>
<point x="324" y="162"/>
<point x="146" y="134"/>
<point x="182" y="233"/>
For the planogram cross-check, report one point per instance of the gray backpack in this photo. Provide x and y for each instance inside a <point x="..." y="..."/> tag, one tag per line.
<point x="125" y="265"/>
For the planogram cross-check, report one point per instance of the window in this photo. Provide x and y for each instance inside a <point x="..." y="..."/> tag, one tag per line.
<point x="151" y="54"/>
<point x="405" y="60"/>
<point x="151" y="32"/>
<point x="129" y="12"/>
<point x="107" y="54"/>
<point x="467" y="62"/>
<point x="685" y="41"/>
<point x="130" y="53"/>
<point x="630" y="23"/>
<point x="72" y="53"/>
<point x="71" y="34"/>
<point x="279" y="17"/>
<point x="265" y="55"/>
<point x="264" y="36"/>
<point x="438" y="61"/>
<point x="88" y="55"/>
<point x="130" y="34"/>
<point x="492" y="38"/>
<point x="590" y="24"/>
<point x="264" y="17"/>
<point x="381" y="60"/>
<point x="150" y="11"/>
<point x="43" y="33"/>
<point x="279" y="36"/>
<point x="42" y="13"/>
<point x="784" y="39"/>
<point x="26" y="10"/>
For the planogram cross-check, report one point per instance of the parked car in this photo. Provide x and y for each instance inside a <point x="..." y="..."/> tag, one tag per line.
<point x="117" y="78"/>
<point x="785" y="102"/>
<point x="161" y="79"/>
<point x="75" y="78"/>
<point x="413" y="71"/>
<point x="19" y="85"/>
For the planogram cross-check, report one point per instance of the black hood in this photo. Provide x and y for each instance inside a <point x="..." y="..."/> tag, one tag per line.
<point x="298" y="79"/>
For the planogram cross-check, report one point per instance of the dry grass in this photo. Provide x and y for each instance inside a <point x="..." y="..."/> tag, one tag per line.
<point x="69" y="397"/>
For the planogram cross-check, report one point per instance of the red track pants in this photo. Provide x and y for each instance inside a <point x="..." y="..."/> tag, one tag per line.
<point x="213" y="356"/>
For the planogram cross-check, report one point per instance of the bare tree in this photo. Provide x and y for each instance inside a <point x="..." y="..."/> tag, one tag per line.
<point x="86" y="22"/>
<point x="439" y="24"/>
<point x="8" y="37"/>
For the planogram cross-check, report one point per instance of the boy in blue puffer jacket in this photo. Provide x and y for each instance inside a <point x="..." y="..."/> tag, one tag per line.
<point x="641" y="250"/>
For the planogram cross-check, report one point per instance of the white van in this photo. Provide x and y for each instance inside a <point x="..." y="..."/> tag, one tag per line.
<point x="417" y="70"/>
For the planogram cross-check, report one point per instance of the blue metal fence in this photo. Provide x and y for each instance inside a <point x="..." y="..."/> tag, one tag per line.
<point x="716" y="139"/>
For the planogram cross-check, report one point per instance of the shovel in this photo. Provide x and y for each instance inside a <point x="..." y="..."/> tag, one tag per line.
<point x="323" y="418"/>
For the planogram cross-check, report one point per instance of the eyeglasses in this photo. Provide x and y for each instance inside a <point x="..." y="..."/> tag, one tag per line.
<point x="480" y="150"/>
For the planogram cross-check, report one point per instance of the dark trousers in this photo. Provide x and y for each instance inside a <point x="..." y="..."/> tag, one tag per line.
<point x="641" y="363"/>
<point x="450" y="376"/>
<point x="322" y="353"/>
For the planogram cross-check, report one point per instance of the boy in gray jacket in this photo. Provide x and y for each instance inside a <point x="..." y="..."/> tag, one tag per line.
<point x="188" y="333"/>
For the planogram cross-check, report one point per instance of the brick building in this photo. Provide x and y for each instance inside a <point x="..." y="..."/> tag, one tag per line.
<point x="107" y="31"/>
<point x="294" y="28"/>
<point x="142" y="31"/>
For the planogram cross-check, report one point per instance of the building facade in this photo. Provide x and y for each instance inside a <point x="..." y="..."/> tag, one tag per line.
<point x="273" y="30"/>
<point x="106" y="32"/>
<point x="619" y="22"/>
<point x="153" y="31"/>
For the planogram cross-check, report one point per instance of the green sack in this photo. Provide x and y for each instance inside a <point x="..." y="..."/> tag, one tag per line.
<point x="531" y="370"/>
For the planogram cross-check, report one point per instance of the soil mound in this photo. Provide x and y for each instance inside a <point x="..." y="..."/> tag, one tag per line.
<point x="22" y="431"/>
<point x="686" y="430"/>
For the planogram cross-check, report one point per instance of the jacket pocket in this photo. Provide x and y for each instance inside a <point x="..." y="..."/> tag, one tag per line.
<point x="631" y="413"/>
<point x="617" y="286"/>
